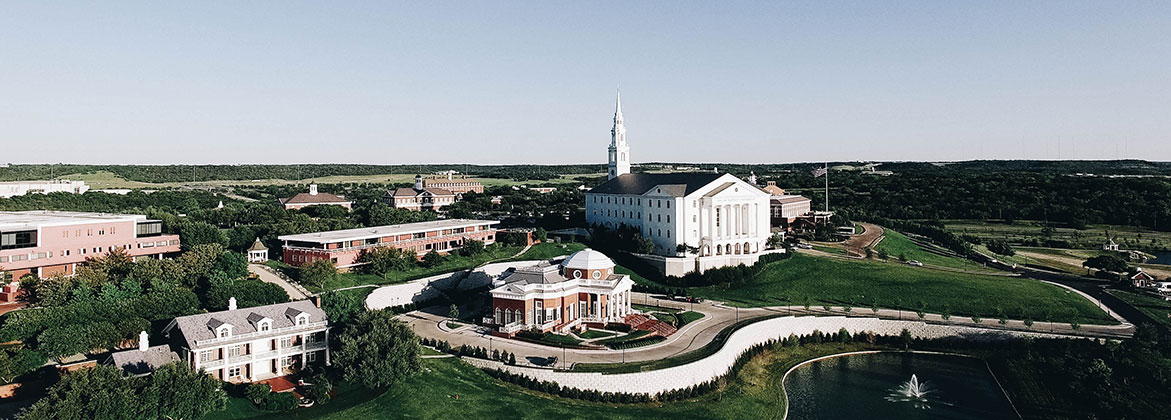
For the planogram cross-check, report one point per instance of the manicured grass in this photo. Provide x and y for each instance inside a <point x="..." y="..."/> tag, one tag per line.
<point x="551" y="339"/>
<point x="837" y="281"/>
<point x="688" y="317"/>
<point x="1156" y="308"/>
<point x="454" y="325"/>
<point x="346" y="396"/>
<point x="830" y="249"/>
<point x="450" y="263"/>
<point x="638" y="342"/>
<point x="633" y="276"/>
<point x="592" y="334"/>
<point x="622" y="339"/>
<point x="896" y="244"/>
<point x="550" y="250"/>
<point x="1090" y="238"/>
<point x="707" y="350"/>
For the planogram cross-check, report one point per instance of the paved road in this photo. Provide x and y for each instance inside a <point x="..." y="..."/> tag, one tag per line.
<point x="427" y="323"/>
<point x="266" y="275"/>
<point x="856" y="245"/>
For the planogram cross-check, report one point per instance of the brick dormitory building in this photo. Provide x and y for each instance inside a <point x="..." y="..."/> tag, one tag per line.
<point x="47" y="243"/>
<point x="343" y="247"/>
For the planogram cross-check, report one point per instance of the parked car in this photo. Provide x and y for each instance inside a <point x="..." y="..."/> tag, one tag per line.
<point x="805" y="245"/>
<point x="915" y="263"/>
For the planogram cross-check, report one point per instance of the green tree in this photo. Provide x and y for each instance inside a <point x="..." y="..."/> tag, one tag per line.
<point x="377" y="350"/>
<point x="194" y="233"/>
<point x="453" y="312"/>
<point x="98" y="393"/>
<point x="318" y="273"/>
<point x="342" y="307"/>
<point x="432" y="259"/>
<point x="1107" y="262"/>
<point x="471" y="248"/>
<point x="176" y="391"/>
<point x="775" y="241"/>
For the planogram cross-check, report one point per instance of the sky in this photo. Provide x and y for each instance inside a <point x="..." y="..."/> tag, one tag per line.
<point x="497" y="82"/>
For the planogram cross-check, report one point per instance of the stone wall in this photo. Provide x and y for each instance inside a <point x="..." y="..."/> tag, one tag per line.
<point x="706" y="369"/>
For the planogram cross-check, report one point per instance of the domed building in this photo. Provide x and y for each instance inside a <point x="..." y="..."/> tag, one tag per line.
<point x="582" y="291"/>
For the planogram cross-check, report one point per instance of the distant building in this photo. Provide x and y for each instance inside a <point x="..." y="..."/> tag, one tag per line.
<point x="584" y="289"/>
<point x="543" y="190"/>
<point x="717" y="214"/>
<point x="258" y="253"/>
<point x="145" y="359"/>
<point x="315" y="198"/>
<point x="420" y="197"/>
<point x="343" y="247"/>
<point x="772" y="189"/>
<point x="1110" y="245"/>
<point x="253" y="344"/>
<point x="459" y="186"/>
<point x="47" y="243"/>
<point x="787" y="209"/>
<point x="12" y="189"/>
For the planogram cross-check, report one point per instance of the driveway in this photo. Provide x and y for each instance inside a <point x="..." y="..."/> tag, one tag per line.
<point x="268" y="276"/>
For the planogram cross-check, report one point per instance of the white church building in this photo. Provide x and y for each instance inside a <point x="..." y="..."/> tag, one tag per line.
<point x="724" y="217"/>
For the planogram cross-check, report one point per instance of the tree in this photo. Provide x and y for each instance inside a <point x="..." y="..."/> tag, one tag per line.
<point x="341" y="307"/>
<point x="453" y="312"/>
<point x="193" y="234"/>
<point x="232" y="264"/>
<point x="1107" y="262"/>
<point x="318" y="388"/>
<point x="377" y="350"/>
<point x="176" y="391"/>
<point x="541" y="234"/>
<point x="382" y="260"/>
<point x="98" y="393"/>
<point x="999" y="246"/>
<point x="883" y="255"/>
<point x="318" y="273"/>
<point x="775" y="241"/>
<point x="471" y="248"/>
<point x="432" y="259"/>
<point x="257" y="392"/>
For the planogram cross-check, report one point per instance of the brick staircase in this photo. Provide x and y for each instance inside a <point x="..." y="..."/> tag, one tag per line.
<point x="641" y="322"/>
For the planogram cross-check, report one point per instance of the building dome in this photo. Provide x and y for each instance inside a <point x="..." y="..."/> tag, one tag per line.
<point x="588" y="259"/>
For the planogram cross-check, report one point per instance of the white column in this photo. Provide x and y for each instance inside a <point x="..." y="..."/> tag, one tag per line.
<point x="327" y="363"/>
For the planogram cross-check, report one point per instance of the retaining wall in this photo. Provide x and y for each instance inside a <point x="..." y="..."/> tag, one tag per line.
<point x="424" y="289"/>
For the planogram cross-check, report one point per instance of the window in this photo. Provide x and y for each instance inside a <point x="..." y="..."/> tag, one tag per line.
<point x="597" y="274"/>
<point x="235" y="351"/>
<point x="286" y="342"/>
<point x="264" y="326"/>
<point x="668" y="233"/>
<point x="668" y="204"/>
<point x="206" y="356"/>
<point x="234" y="372"/>
<point x="668" y="217"/>
<point x="224" y="332"/>
<point x="311" y="357"/>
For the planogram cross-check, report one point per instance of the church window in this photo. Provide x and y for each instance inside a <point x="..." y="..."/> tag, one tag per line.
<point x="660" y="218"/>
<point x="668" y="204"/>
<point x="668" y="218"/>
<point x="660" y="233"/>
<point x="668" y="233"/>
<point x="694" y="219"/>
<point x="640" y="215"/>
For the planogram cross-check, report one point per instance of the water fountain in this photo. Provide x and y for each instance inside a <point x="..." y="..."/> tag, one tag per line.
<point x="913" y="392"/>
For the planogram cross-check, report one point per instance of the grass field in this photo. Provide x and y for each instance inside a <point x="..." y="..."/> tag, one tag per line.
<point x="106" y="179"/>
<point x="1090" y="238"/>
<point x="550" y="250"/>
<point x="592" y="334"/>
<point x="452" y="389"/>
<point x="862" y="283"/>
<point x="1157" y="309"/>
<point x="896" y="245"/>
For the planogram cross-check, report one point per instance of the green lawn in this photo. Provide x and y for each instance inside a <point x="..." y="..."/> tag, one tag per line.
<point x="551" y="339"/>
<point x="830" y="249"/>
<point x="688" y="317"/>
<point x="592" y="334"/>
<point x="838" y="281"/>
<point x="633" y="276"/>
<point x="896" y="244"/>
<point x="550" y="250"/>
<point x="623" y="338"/>
<point x="450" y="263"/>
<point x="1090" y="238"/>
<point x="1157" y="309"/>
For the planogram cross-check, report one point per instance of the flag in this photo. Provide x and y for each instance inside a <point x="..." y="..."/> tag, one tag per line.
<point x="819" y="172"/>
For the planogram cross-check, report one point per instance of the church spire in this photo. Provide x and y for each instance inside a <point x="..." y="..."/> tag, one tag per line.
<point x="619" y="151"/>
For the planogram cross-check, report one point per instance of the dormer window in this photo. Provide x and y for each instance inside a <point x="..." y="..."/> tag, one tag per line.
<point x="223" y="331"/>
<point x="264" y="326"/>
<point x="303" y="319"/>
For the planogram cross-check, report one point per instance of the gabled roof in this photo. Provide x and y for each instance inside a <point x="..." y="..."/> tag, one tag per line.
<point x="539" y="274"/>
<point x="719" y="189"/>
<point x="637" y="184"/>
<point x="319" y="198"/>
<point x="786" y="199"/>
<point x="200" y="326"/>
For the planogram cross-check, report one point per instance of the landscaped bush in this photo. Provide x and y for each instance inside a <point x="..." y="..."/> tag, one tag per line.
<point x="280" y="401"/>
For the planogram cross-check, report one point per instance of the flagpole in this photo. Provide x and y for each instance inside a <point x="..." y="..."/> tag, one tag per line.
<point x="827" y="187"/>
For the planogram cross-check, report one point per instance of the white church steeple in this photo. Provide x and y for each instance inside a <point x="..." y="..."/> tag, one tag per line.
<point x="619" y="150"/>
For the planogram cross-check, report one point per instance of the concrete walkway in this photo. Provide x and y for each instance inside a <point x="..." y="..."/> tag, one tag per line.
<point x="265" y="273"/>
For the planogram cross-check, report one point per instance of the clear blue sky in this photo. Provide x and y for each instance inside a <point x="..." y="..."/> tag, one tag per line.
<point x="533" y="82"/>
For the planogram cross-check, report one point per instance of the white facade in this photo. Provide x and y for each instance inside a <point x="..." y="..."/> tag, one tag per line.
<point x="725" y="217"/>
<point x="12" y="189"/>
<point x="619" y="151"/>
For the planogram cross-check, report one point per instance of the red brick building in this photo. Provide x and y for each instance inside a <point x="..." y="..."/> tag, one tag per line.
<point x="315" y="198"/>
<point x="343" y="247"/>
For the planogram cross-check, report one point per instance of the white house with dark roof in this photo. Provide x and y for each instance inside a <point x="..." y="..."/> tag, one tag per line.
<point x="145" y="359"/>
<point x="719" y="214"/>
<point x="252" y="344"/>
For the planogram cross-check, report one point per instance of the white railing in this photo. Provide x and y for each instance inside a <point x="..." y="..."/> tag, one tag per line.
<point x="511" y="328"/>
<point x="257" y="334"/>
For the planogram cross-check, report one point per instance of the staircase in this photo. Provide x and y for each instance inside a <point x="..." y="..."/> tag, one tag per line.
<point x="641" y="322"/>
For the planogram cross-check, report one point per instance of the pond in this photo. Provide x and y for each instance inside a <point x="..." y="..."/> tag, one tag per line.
<point x="1161" y="257"/>
<point x="896" y="385"/>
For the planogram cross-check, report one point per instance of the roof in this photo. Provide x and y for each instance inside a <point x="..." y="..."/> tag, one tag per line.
<point x="637" y="184"/>
<point x="787" y="199"/>
<point x="138" y="362"/>
<point x="381" y="231"/>
<point x="411" y="192"/>
<point x="719" y="189"/>
<point x="258" y="246"/>
<point x="543" y="273"/>
<point x="588" y="259"/>
<point x="201" y="326"/>
<point x="13" y="220"/>
<point x="319" y="198"/>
